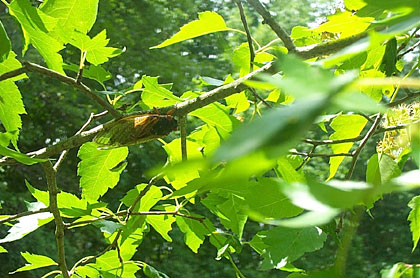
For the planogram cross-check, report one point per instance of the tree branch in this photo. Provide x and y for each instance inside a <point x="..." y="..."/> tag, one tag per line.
<point x="12" y="73"/>
<point x="59" y="225"/>
<point x="319" y="154"/>
<point x="357" y="151"/>
<point x="404" y="99"/>
<point x="280" y="32"/>
<point x="22" y="214"/>
<point x="183" y="135"/>
<point x="248" y="33"/>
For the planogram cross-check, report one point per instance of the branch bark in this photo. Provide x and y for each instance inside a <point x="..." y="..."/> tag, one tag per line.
<point x="22" y="214"/>
<point x="59" y="225"/>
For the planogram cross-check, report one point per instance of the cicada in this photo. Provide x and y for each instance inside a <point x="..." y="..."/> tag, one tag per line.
<point x="136" y="129"/>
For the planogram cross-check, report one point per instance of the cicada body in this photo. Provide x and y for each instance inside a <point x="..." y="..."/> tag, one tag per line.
<point x="134" y="130"/>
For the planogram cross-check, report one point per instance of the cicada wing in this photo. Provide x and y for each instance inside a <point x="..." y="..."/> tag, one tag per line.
<point x="116" y="134"/>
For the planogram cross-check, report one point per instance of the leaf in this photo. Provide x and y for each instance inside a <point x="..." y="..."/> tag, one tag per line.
<point x="11" y="105"/>
<point x="3" y="250"/>
<point x="208" y="22"/>
<point x="109" y="262"/>
<point x="381" y="169"/>
<point x="93" y="72"/>
<point x="108" y="227"/>
<point x="194" y="232"/>
<point x="97" y="51"/>
<point x="155" y="94"/>
<point x="282" y="245"/>
<point x="150" y="271"/>
<point x="72" y="15"/>
<point x="415" y="144"/>
<point x="96" y="169"/>
<point x="5" y="44"/>
<point x="20" y="157"/>
<point x="35" y="261"/>
<point x="153" y="195"/>
<point x="345" y="126"/>
<point x="238" y="101"/>
<point x="231" y="214"/>
<point x="162" y="224"/>
<point x="345" y="23"/>
<point x="414" y="218"/>
<point x="35" y="31"/>
<point x="27" y="224"/>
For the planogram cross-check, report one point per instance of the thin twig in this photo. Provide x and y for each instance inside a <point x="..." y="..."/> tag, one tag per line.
<point x="64" y="153"/>
<point x="404" y="99"/>
<point x="59" y="225"/>
<point x="409" y="50"/>
<point x="22" y="214"/>
<point x="81" y="67"/>
<point x="13" y="73"/>
<point x="331" y="142"/>
<point x="257" y="96"/>
<point x="248" y="34"/>
<point x="357" y="151"/>
<point x="306" y="158"/>
<point x="183" y="134"/>
<point x="280" y="32"/>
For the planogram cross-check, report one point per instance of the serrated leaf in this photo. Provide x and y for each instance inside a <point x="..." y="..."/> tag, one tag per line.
<point x="231" y="214"/>
<point x="35" y="31"/>
<point x="108" y="263"/>
<point x="96" y="169"/>
<point x="5" y="44"/>
<point x="97" y="51"/>
<point x="35" y="261"/>
<point x="208" y="22"/>
<point x="414" y="218"/>
<point x="11" y="105"/>
<point x="282" y="245"/>
<point x="93" y="72"/>
<point x="345" y="126"/>
<point x="162" y="224"/>
<point x="155" y="94"/>
<point x="72" y="14"/>
<point x="238" y="101"/>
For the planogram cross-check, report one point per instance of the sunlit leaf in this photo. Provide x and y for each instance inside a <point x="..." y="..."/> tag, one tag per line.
<point x="414" y="218"/>
<point x="5" y="44"/>
<point x="208" y="22"/>
<point x="34" y="262"/>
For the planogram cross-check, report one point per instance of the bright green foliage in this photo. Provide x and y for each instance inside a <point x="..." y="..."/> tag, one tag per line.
<point x="99" y="169"/>
<point x="162" y="224"/>
<point x="22" y="158"/>
<point x="194" y="232"/>
<point x="72" y="15"/>
<point x="401" y="270"/>
<point x="35" y="261"/>
<point x="3" y="250"/>
<point x="283" y="245"/>
<point x="156" y="95"/>
<point x="208" y="22"/>
<point x="345" y="126"/>
<point x="414" y="218"/>
<point x="36" y="26"/>
<point x="381" y="169"/>
<point x="5" y="44"/>
<point x="93" y="72"/>
<point x="11" y="105"/>
<point x="97" y="51"/>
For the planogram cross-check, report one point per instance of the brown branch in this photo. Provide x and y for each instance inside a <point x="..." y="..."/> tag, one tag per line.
<point x="22" y="214"/>
<point x="183" y="134"/>
<point x="12" y="73"/>
<point x="59" y="225"/>
<point x="180" y="109"/>
<point x="417" y="44"/>
<point x="306" y="158"/>
<point x="72" y="82"/>
<point x="280" y="32"/>
<point x="395" y="127"/>
<point x="404" y="99"/>
<point x="248" y="34"/>
<point x="357" y="151"/>
<point x="331" y="142"/>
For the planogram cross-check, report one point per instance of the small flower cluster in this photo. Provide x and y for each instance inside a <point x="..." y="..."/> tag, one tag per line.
<point x="396" y="141"/>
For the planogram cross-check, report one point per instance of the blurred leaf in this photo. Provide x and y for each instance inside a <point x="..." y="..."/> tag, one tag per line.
<point x="238" y="101"/>
<point x="282" y="245"/>
<point x="415" y="144"/>
<point x="2" y="250"/>
<point x="345" y="126"/>
<point x="390" y="58"/>
<point x="345" y="23"/>
<point x="96" y="169"/>
<point x="35" y="31"/>
<point x="5" y="45"/>
<point x="208" y="22"/>
<point x="414" y="218"/>
<point x="35" y="261"/>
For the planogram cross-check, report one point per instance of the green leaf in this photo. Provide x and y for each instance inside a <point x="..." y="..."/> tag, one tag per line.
<point x="381" y="169"/>
<point x="208" y="22"/>
<point x="150" y="271"/>
<point x="414" y="218"/>
<point x="155" y="94"/>
<point x="345" y="126"/>
<point x="282" y="245"/>
<point x="231" y="215"/>
<point x="153" y="195"/>
<point x="98" y="169"/>
<point x="11" y="105"/>
<point x="162" y="224"/>
<point x="5" y="44"/>
<point x="35" y="261"/>
<point x="27" y="224"/>
<point x="35" y="31"/>
<point x="93" y="72"/>
<point x="22" y="158"/>
<point x="108" y="227"/>
<point x="238" y="101"/>
<point x="345" y="23"/>
<point x="109" y="263"/>
<point x="97" y="51"/>
<point x="194" y="232"/>
<point x="72" y="14"/>
<point x="3" y="250"/>
<point x="415" y="144"/>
